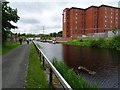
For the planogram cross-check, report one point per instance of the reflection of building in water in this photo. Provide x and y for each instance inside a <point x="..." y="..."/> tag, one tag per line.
<point x="74" y="57"/>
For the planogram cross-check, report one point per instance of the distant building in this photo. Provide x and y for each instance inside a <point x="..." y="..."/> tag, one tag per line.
<point x="78" y="21"/>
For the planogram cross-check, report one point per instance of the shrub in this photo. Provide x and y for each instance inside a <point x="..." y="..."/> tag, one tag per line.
<point x="115" y="43"/>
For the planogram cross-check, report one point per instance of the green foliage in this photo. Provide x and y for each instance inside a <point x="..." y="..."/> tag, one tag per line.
<point x="113" y="42"/>
<point x="9" y="46"/>
<point x="100" y="43"/>
<point x="35" y="74"/>
<point x="8" y="15"/>
<point x="75" y="81"/>
<point x="59" y="34"/>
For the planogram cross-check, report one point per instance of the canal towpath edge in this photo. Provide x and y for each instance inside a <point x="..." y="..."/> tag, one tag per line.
<point x="14" y="67"/>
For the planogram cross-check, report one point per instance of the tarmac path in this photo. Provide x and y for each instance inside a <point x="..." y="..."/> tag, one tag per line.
<point x="14" y="67"/>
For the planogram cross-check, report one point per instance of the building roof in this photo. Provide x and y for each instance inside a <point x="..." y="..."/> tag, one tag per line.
<point x="76" y="8"/>
<point x="93" y="7"/>
<point x="109" y="6"/>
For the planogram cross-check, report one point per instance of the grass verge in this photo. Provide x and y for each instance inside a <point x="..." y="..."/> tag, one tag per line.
<point x="35" y="75"/>
<point x="74" y="80"/>
<point x="9" y="46"/>
<point x="112" y="42"/>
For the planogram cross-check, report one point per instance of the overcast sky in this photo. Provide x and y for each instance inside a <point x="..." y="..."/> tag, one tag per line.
<point x="34" y="14"/>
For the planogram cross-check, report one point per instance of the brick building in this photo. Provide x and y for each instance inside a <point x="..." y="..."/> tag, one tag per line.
<point x="78" y="21"/>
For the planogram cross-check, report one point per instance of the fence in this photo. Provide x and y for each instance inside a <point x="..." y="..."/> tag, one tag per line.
<point x="103" y="34"/>
<point x="52" y="69"/>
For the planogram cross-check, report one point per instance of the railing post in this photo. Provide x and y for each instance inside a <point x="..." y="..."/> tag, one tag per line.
<point x="40" y="55"/>
<point x="50" y="77"/>
<point x="43" y="61"/>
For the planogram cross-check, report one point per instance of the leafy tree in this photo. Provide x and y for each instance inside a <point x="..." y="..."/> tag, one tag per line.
<point x="8" y="15"/>
<point x="59" y="34"/>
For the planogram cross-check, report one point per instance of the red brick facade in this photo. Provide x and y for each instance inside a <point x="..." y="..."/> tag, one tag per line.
<point x="77" y="21"/>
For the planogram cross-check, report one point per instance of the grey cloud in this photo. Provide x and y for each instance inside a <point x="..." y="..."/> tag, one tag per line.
<point x="29" y="20"/>
<point x="34" y="7"/>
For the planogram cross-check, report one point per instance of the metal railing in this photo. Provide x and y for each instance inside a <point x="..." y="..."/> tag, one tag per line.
<point x="52" y="69"/>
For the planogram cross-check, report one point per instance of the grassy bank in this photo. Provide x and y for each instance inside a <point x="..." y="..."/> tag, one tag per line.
<point x="9" y="46"/>
<point x="75" y="81"/>
<point x="35" y="74"/>
<point x="113" y="42"/>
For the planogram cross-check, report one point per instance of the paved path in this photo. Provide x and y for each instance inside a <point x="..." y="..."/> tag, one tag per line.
<point x="14" y="65"/>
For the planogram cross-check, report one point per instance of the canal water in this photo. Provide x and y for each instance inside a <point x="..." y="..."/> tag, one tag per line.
<point x="104" y="62"/>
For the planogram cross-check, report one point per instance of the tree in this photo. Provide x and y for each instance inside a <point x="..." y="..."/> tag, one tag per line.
<point x="8" y="15"/>
<point x="114" y="30"/>
<point x="59" y="34"/>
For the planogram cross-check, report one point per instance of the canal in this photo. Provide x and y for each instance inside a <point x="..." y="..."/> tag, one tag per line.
<point x="103" y="62"/>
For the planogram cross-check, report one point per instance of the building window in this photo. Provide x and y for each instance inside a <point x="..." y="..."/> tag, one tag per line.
<point x="105" y="20"/>
<point x="76" y="22"/>
<point x="76" y="18"/>
<point x="105" y="26"/>
<point x="105" y="16"/>
<point x="111" y="13"/>
<point x="76" y="27"/>
<point x="64" y="16"/>
<point x="111" y="21"/>
<point x="111" y="17"/>
<point x="76" y="14"/>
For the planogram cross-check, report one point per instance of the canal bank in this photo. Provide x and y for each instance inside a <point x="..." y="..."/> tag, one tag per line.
<point x="111" y="43"/>
<point x="103" y="61"/>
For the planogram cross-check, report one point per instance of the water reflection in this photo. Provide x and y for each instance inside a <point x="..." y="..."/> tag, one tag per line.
<point x="103" y="61"/>
<point x="75" y="56"/>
